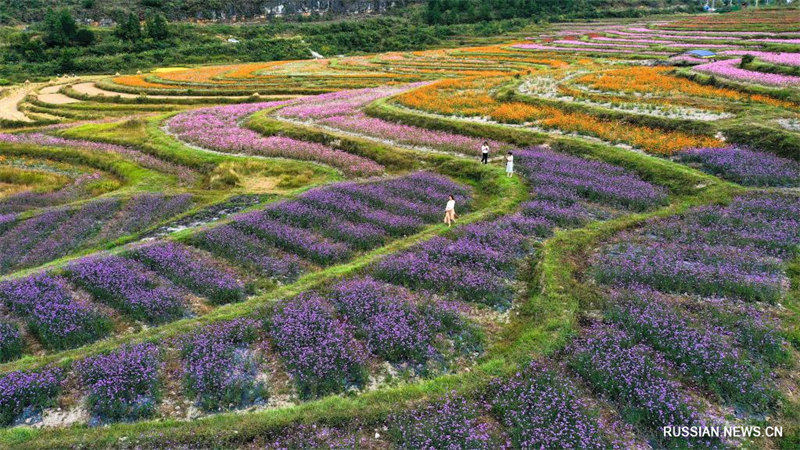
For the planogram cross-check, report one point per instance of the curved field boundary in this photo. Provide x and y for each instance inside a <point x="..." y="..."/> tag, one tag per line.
<point x="90" y="91"/>
<point x="9" y="104"/>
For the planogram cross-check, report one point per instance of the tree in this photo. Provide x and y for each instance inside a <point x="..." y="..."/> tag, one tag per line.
<point x="28" y="48"/>
<point x="156" y="27"/>
<point x="66" y="60"/>
<point x="59" y="28"/>
<point x="129" y="28"/>
<point x="84" y="37"/>
<point x="433" y="12"/>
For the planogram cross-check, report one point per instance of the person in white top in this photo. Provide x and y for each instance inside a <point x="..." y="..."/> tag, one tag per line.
<point x="485" y="153"/>
<point x="450" y="211"/>
<point x="510" y="164"/>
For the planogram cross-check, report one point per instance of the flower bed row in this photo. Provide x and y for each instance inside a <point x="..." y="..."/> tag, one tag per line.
<point x="185" y="174"/>
<point x="52" y="313"/>
<point x="563" y="178"/>
<point x="745" y="166"/>
<point x="11" y="344"/>
<point x="130" y="287"/>
<point x="478" y="265"/>
<point x="729" y="68"/>
<point x="343" y="111"/>
<point x="732" y="251"/>
<point x="146" y="284"/>
<point x="327" y="225"/>
<point x="218" y="128"/>
<point x="58" y="232"/>
<point x="78" y="188"/>
<point x="325" y="339"/>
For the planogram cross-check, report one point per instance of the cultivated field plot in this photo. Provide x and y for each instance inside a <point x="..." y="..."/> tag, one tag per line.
<point x="253" y="255"/>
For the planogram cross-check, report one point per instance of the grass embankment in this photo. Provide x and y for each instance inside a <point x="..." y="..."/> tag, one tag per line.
<point x="147" y="136"/>
<point x="31" y="179"/>
<point x="130" y="175"/>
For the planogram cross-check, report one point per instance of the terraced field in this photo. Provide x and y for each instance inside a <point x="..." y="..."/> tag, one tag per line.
<point x="253" y="255"/>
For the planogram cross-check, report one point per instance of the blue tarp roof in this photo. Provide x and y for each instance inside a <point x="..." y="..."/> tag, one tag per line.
<point x="701" y="53"/>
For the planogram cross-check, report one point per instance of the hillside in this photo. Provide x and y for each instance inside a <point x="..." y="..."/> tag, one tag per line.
<point x="102" y="11"/>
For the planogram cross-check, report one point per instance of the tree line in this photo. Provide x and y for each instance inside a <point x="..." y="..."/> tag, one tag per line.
<point x="469" y="11"/>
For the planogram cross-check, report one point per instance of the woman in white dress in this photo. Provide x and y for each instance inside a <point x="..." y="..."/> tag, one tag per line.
<point x="510" y="164"/>
<point x="450" y="211"/>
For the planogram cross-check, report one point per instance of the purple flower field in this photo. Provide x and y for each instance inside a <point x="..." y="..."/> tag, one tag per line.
<point x="218" y="369"/>
<point x="193" y="270"/>
<point x="478" y="263"/>
<point x="328" y="225"/>
<point x="749" y="327"/>
<point x="446" y="267"/>
<point x="734" y="251"/>
<point x="745" y="166"/>
<point x="634" y="377"/>
<point x="27" y="391"/>
<point x="320" y="350"/>
<point x="128" y="286"/>
<point x="18" y="240"/>
<point x="58" y="232"/>
<point x="143" y="211"/>
<point x="386" y="318"/>
<point x="71" y="234"/>
<point x="567" y="177"/>
<point x="453" y="422"/>
<point x="303" y="242"/>
<point x="250" y="251"/>
<point x="6" y="221"/>
<point x="28" y="200"/>
<point x="122" y="385"/>
<point x="697" y="350"/>
<point x="706" y="263"/>
<point x="53" y="315"/>
<point x="218" y="128"/>
<point x="542" y="409"/>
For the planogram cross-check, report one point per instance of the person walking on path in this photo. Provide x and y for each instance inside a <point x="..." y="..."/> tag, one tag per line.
<point x="485" y="153"/>
<point x="510" y="164"/>
<point x="450" y="211"/>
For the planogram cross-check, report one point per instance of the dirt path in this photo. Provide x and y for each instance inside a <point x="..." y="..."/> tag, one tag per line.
<point x="89" y="88"/>
<point x="51" y="95"/>
<point x="9" y="104"/>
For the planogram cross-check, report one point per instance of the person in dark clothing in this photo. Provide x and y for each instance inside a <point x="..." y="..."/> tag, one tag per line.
<point x="485" y="153"/>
